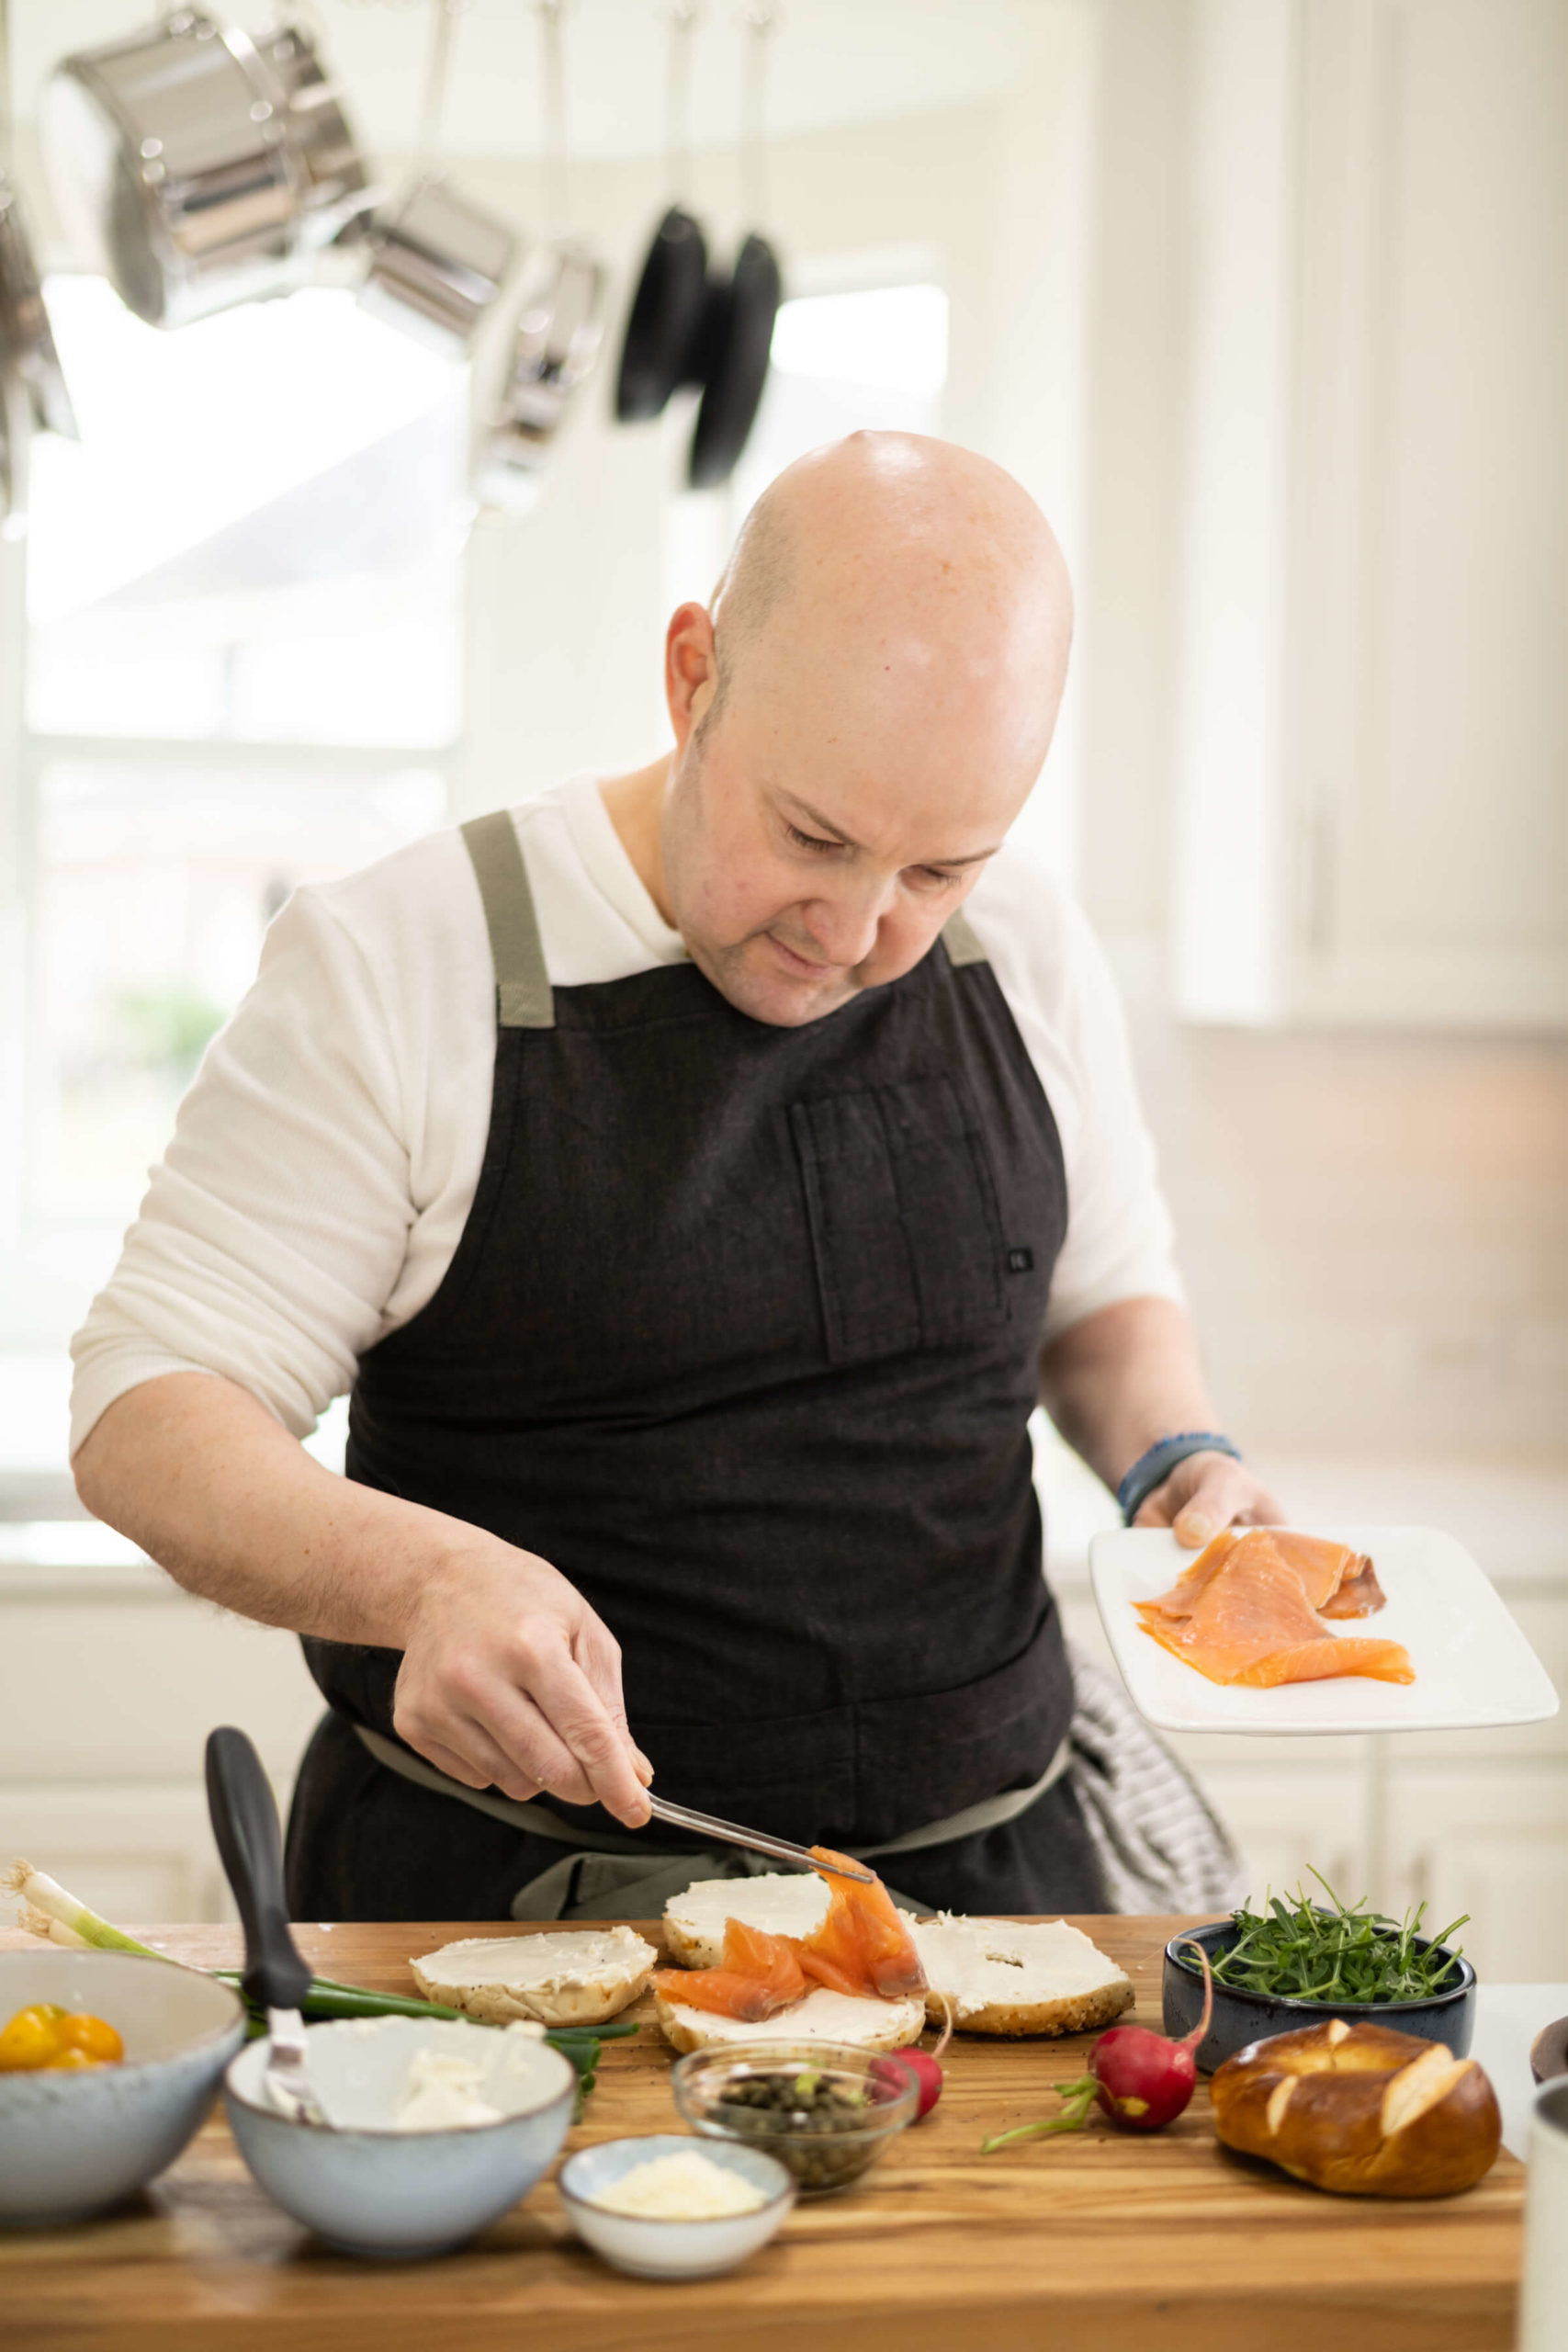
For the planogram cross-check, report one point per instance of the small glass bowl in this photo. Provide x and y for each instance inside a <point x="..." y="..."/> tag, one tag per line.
<point x="820" y="2160"/>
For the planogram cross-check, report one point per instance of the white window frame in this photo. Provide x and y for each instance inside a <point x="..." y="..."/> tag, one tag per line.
<point x="29" y="1242"/>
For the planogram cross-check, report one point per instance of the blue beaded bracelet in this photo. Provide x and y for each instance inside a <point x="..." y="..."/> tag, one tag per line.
<point x="1153" y="1469"/>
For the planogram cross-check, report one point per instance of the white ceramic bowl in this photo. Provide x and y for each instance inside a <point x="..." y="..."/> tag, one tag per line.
<point x="370" y="2189"/>
<point x="651" y="2249"/>
<point x="76" y="2144"/>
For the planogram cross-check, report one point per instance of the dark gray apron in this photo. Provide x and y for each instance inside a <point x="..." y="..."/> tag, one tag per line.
<point x="741" y="1334"/>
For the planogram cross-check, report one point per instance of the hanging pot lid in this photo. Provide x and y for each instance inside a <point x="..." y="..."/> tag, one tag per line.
<point x="196" y="167"/>
<point x="737" y="337"/>
<point x="555" y="343"/>
<point x="666" y="318"/>
<point x="26" y="343"/>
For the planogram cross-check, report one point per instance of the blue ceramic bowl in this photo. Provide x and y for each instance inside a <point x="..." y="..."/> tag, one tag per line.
<point x="1240" y="2017"/>
<point x="76" y="2143"/>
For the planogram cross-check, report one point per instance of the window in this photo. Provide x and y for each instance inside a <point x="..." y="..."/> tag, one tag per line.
<point x="242" y="657"/>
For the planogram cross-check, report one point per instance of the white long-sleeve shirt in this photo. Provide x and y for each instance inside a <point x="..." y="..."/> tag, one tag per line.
<point x="325" y="1161"/>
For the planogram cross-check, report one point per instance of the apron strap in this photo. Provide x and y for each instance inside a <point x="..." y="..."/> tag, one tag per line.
<point x="523" y="998"/>
<point x="958" y="938"/>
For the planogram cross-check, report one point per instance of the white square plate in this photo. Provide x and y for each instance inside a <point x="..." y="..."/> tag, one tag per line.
<point x="1473" y="1667"/>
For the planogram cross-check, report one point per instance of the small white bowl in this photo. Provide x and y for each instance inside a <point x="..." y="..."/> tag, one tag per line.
<point x="368" y="2189"/>
<point x="651" y="2249"/>
<point x="76" y="2144"/>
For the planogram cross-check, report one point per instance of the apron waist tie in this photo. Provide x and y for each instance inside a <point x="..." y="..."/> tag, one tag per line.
<point x="990" y="1812"/>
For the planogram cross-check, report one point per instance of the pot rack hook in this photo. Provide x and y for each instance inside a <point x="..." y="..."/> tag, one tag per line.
<point x="760" y="21"/>
<point x="446" y="12"/>
<point x="556" y="190"/>
<point x="681" y="17"/>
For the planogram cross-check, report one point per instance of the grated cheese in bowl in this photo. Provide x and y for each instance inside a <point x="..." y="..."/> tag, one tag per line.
<point x="685" y="2187"/>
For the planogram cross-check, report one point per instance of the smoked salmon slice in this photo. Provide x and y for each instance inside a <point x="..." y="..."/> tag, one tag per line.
<point x="863" y="1946"/>
<point x="1250" y="1610"/>
<point x="760" y="1974"/>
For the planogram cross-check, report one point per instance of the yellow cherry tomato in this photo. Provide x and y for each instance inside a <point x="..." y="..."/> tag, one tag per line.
<point x="98" y="2042"/>
<point x="31" y="2038"/>
<point x="66" y="2060"/>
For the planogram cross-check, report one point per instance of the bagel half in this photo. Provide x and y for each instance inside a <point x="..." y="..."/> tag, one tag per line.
<point x="1360" y="2110"/>
<point x="784" y="1903"/>
<point x="1008" y="1977"/>
<point x="566" y="1976"/>
<point x="865" y="2023"/>
<point x="1002" y="1978"/>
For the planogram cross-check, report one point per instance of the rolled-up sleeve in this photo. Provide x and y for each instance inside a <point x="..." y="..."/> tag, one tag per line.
<point x="274" y="1229"/>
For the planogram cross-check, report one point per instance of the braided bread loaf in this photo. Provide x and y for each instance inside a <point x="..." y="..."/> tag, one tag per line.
<point x="1360" y="2109"/>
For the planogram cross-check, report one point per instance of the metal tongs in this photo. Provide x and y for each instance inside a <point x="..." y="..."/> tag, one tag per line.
<point x="727" y="1833"/>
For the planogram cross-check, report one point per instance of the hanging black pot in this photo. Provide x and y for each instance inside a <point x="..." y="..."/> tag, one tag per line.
<point x="737" y="337"/>
<point x="666" y="319"/>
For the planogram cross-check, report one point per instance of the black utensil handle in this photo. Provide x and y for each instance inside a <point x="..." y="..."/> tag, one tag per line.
<point x="244" y="1822"/>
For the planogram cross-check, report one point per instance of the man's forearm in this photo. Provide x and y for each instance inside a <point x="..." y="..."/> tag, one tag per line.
<point x="1119" y="1381"/>
<point x="199" y="1473"/>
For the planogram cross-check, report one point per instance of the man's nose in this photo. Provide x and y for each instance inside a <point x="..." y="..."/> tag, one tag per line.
<point x="844" y="926"/>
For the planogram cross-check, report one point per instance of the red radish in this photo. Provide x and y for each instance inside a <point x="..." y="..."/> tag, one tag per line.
<point x="923" y="2064"/>
<point x="928" y="2075"/>
<point x="1140" y="2079"/>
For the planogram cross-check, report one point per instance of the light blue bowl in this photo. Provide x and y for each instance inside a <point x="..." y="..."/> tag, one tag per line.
<point x="73" y="2145"/>
<point x="370" y="2189"/>
<point x="651" y="2249"/>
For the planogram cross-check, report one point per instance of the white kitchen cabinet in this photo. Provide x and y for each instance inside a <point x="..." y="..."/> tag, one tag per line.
<point x="1489" y="1841"/>
<point x="1371" y="825"/>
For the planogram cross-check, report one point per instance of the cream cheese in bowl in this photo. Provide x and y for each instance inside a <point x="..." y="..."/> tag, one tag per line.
<point x="408" y="2166"/>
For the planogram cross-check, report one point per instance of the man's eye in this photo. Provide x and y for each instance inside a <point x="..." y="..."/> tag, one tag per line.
<point x="934" y="874"/>
<point x="809" y="841"/>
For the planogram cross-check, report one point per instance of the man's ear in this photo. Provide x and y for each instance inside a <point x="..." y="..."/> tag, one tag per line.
<point x="691" y="669"/>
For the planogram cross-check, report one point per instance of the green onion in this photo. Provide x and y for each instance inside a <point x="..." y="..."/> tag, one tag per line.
<point x="48" y="1910"/>
<point x="1301" y="1950"/>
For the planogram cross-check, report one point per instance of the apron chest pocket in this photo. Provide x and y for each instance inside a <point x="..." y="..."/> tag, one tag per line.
<point x="905" y="1229"/>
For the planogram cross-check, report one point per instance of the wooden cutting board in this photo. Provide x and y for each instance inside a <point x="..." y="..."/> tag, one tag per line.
<point x="1104" y="2242"/>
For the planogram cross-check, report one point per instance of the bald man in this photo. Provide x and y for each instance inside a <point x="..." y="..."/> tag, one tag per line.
<point x="695" y="1178"/>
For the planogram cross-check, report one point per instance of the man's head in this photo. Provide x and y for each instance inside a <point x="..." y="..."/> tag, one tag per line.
<point x="860" y="718"/>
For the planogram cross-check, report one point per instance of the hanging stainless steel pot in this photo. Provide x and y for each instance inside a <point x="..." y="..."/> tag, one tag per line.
<point x="196" y="167"/>
<point x="438" y="264"/>
<point x="27" y="344"/>
<point x="559" y="326"/>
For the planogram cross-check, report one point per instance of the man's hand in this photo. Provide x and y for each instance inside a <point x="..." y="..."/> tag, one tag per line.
<point x="508" y="1679"/>
<point x="1206" y="1493"/>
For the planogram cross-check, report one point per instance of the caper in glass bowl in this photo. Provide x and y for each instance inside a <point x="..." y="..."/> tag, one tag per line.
<point x="825" y="2109"/>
